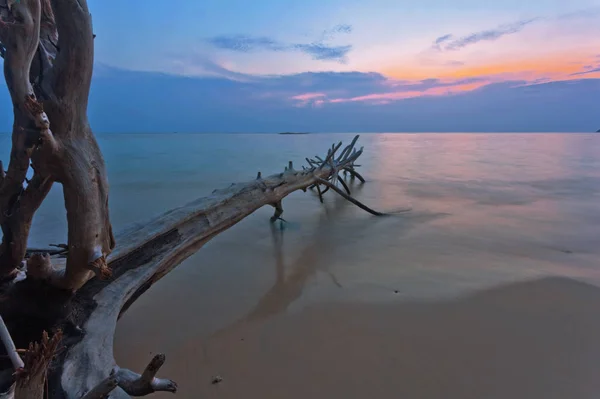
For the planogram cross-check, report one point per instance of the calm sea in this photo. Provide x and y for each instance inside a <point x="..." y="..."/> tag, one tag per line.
<point x="486" y="209"/>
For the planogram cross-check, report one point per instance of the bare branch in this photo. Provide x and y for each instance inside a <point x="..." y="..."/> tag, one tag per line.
<point x="354" y="173"/>
<point x="42" y="65"/>
<point x="103" y="389"/>
<point x="320" y="193"/>
<point x="348" y="149"/>
<point x="343" y="183"/>
<point x="152" y="369"/>
<point x="331" y="154"/>
<point x="74" y="62"/>
<point x="349" y="198"/>
<point x="147" y="383"/>
<point x="17" y="223"/>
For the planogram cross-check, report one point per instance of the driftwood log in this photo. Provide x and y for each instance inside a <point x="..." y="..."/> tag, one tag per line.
<point x="85" y="320"/>
<point x="59" y="307"/>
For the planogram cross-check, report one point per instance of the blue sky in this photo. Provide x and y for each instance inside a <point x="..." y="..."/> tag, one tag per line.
<point x="385" y="36"/>
<point x="318" y="62"/>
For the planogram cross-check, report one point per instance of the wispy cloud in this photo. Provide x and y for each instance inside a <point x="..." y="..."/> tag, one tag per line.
<point x="317" y="50"/>
<point x="590" y="12"/>
<point x="454" y="63"/>
<point x="449" y="43"/>
<point x="195" y="64"/>
<point x="309" y="99"/>
<point x="245" y="44"/>
<point x="379" y="91"/>
<point x="442" y="90"/>
<point x="437" y="43"/>
<point x="323" y="52"/>
<point x="587" y="70"/>
<point x="329" y="34"/>
<point x="443" y="39"/>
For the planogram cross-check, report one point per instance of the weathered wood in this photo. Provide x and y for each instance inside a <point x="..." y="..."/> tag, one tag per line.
<point x="31" y="32"/>
<point x="278" y="212"/>
<point x="354" y="173"/>
<point x="19" y="34"/>
<point x="147" y="383"/>
<point x="146" y="252"/>
<point x="79" y="300"/>
<point x="343" y="183"/>
<point x="103" y="389"/>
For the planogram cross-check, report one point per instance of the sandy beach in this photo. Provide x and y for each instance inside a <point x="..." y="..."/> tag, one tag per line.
<point x="535" y="339"/>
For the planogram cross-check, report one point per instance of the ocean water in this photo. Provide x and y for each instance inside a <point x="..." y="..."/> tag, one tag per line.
<point x="486" y="209"/>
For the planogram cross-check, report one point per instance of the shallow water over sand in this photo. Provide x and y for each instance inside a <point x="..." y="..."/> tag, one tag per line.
<point x="487" y="209"/>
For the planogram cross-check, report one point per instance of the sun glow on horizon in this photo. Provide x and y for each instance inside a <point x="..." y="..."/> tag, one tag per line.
<point x="561" y="66"/>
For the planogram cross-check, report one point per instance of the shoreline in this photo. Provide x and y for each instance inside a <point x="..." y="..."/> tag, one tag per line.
<point x="531" y="339"/>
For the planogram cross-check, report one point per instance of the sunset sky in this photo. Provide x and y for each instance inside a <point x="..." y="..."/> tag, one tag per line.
<point x="464" y="43"/>
<point x="335" y="65"/>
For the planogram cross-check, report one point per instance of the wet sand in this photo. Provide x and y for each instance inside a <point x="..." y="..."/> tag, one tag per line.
<point x="529" y="340"/>
<point x="535" y="339"/>
<point x="454" y="311"/>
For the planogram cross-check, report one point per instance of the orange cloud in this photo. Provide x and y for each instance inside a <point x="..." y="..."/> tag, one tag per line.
<point x="404" y="83"/>
<point x="552" y="67"/>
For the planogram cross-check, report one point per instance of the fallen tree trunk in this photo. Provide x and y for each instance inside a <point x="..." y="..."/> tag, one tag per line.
<point x="146" y="252"/>
<point x="63" y="304"/>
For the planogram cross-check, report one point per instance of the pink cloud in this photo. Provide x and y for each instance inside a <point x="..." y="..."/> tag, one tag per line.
<point x="309" y="98"/>
<point x="385" y="98"/>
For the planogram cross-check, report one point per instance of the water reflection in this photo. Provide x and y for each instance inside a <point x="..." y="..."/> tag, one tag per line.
<point x="314" y="257"/>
